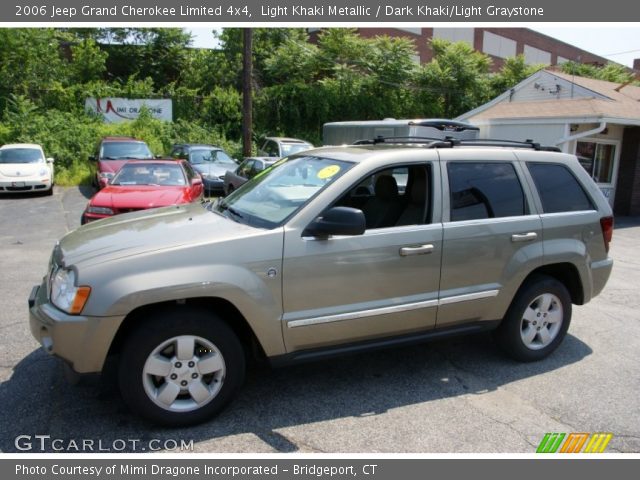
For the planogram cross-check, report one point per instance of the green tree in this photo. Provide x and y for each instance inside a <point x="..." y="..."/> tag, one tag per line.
<point x="611" y="72"/>
<point x="513" y="71"/>
<point x="455" y="81"/>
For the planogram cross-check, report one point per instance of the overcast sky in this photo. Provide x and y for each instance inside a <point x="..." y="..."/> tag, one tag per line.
<point x="618" y="44"/>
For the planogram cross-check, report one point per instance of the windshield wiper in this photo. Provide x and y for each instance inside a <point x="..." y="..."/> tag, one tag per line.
<point x="224" y="206"/>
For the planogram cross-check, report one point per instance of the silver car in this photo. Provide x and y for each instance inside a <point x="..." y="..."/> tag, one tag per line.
<point x="248" y="168"/>
<point x="307" y="261"/>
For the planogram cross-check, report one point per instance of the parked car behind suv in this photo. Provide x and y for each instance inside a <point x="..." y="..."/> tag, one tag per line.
<point x="249" y="168"/>
<point x="302" y="263"/>
<point x="278" y="147"/>
<point x="113" y="152"/>
<point x="210" y="161"/>
<point x="24" y="168"/>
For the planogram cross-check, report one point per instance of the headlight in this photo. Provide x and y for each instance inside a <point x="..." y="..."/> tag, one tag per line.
<point x="65" y="295"/>
<point x="43" y="172"/>
<point x="107" y="175"/>
<point x="100" y="210"/>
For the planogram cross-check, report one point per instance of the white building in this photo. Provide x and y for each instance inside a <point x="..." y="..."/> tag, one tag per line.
<point x="596" y="120"/>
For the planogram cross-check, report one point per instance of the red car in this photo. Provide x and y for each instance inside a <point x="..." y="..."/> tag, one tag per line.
<point x="113" y="152"/>
<point x="139" y="185"/>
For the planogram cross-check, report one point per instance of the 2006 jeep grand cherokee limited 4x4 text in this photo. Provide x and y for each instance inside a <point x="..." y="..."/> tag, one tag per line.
<point x="332" y="250"/>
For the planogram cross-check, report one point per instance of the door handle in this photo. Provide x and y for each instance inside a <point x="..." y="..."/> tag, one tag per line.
<point x="524" y="237"/>
<point x="419" y="250"/>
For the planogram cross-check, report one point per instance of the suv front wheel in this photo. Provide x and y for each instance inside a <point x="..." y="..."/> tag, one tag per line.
<point x="181" y="367"/>
<point x="537" y="320"/>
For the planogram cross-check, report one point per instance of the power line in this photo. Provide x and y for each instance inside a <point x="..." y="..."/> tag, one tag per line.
<point x="620" y="53"/>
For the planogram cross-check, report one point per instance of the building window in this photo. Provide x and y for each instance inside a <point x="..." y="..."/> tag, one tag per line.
<point x="562" y="60"/>
<point x="597" y="159"/>
<point x="455" y="34"/>
<point x="533" y="55"/>
<point x="498" y="46"/>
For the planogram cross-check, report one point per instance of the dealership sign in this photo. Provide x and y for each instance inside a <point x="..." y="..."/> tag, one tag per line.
<point x="121" y="109"/>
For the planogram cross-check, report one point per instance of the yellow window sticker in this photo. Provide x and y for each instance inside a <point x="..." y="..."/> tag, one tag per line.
<point x="328" y="172"/>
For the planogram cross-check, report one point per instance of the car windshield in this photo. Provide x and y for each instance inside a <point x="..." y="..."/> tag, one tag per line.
<point x="21" y="155"/>
<point x="291" y="148"/>
<point x="160" y="174"/>
<point x="209" y="155"/>
<point x="123" y="150"/>
<point x="277" y="193"/>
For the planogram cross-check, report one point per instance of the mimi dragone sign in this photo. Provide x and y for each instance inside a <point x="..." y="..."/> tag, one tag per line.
<point x="116" y="110"/>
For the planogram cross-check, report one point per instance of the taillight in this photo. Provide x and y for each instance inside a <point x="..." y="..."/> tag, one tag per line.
<point x="606" y="223"/>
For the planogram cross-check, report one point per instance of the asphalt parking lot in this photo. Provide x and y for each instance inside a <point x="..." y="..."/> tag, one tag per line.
<point x="460" y="395"/>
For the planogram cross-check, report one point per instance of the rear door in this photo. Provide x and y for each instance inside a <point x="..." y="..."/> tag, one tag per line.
<point x="492" y="234"/>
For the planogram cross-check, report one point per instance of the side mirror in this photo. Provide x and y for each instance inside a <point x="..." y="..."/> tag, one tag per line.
<point x="196" y="181"/>
<point x="49" y="160"/>
<point x="337" y="221"/>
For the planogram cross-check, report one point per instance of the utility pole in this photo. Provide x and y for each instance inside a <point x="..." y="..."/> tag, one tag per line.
<point x="247" y="101"/>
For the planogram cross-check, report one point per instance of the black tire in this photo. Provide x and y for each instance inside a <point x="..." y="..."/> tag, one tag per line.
<point x="514" y="330"/>
<point x="161" y="327"/>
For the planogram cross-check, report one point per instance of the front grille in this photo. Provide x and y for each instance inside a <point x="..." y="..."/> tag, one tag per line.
<point x="126" y="210"/>
<point x="19" y="189"/>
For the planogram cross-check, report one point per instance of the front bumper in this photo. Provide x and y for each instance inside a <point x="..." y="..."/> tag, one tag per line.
<point x="81" y="341"/>
<point x="24" y="185"/>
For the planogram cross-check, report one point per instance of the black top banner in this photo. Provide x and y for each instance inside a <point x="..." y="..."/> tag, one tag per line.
<point x="317" y="11"/>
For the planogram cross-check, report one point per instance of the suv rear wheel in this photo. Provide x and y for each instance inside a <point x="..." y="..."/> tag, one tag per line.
<point x="537" y="320"/>
<point x="181" y="367"/>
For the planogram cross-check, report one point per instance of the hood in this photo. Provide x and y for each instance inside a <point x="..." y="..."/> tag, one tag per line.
<point x="151" y="230"/>
<point x="211" y="169"/>
<point x="139" y="197"/>
<point x="21" y="169"/>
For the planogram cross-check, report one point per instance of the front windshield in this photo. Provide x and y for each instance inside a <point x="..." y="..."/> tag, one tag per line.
<point x="150" y="174"/>
<point x="21" y="155"/>
<point x="274" y="195"/>
<point x="291" y="148"/>
<point x="124" y="150"/>
<point x="208" y="155"/>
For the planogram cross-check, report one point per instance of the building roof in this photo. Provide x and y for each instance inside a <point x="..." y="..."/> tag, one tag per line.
<point x="593" y="100"/>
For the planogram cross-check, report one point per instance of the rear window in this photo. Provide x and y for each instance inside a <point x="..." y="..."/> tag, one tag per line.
<point x="559" y="190"/>
<point x="484" y="190"/>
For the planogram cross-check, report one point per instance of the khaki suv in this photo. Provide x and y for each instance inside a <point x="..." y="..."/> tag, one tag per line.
<point x="331" y="251"/>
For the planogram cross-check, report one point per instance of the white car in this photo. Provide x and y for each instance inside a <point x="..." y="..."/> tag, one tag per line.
<point x="24" y="168"/>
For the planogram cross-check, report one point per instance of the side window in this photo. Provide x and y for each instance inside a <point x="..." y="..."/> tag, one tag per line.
<point x="189" y="170"/>
<point x="245" y="168"/>
<point x="271" y="149"/>
<point x="484" y="190"/>
<point x="393" y="197"/>
<point x="559" y="190"/>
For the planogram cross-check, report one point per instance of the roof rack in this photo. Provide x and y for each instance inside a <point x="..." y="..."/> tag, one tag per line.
<point x="450" y="142"/>
<point x="494" y="142"/>
<point x="381" y="139"/>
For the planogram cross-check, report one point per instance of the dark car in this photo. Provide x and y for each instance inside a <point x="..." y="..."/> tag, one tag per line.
<point x="248" y="169"/>
<point x="210" y="161"/>
<point x="113" y="152"/>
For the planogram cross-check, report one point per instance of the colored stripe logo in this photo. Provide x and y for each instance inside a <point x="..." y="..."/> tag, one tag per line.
<point x="574" y="442"/>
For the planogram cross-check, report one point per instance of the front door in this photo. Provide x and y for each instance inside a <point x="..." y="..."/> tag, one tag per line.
<point x="384" y="283"/>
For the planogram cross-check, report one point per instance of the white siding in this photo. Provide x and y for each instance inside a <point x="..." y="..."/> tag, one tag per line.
<point x="545" y="87"/>
<point x="498" y="46"/>
<point x="533" y="55"/>
<point x="545" y="134"/>
<point x="455" y="34"/>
